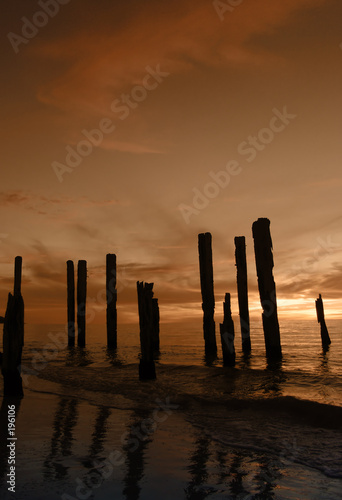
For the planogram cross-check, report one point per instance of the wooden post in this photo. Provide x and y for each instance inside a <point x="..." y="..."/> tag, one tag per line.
<point x="147" y="369"/>
<point x="111" y="294"/>
<point x="156" y="328"/>
<point x="320" y="318"/>
<point x="18" y="262"/>
<point x="81" y="301"/>
<point x="242" y="287"/>
<point x="227" y="333"/>
<point x="71" y="302"/>
<point x="207" y="290"/>
<point x="13" y="337"/>
<point x="267" y="289"/>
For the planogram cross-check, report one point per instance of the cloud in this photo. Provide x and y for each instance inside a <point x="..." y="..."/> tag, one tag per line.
<point x="129" y="147"/>
<point x="102" y="58"/>
<point x="44" y="205"/>
<point x="332" y="182"/>
<point x="107" y="60"/>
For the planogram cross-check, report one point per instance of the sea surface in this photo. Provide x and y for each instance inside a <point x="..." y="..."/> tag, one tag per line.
<point x="305" y="372"/>
<point x="200" y="430"/>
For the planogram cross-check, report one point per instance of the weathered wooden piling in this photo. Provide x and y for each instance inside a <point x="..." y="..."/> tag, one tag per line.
<point x="267" y="289"/>
<point x="321" y="319"/>
<point x="227" y="334"/>
<point x="71" y="302"/>
<point x="18" y="264"/>
<point x="81" y="302"/>
<point x="147" y="369"/>
<point x="207" y="290"/>
<point x="13" y="337"/>
<point x="242" y="287"/>
<point x="111" y="293"/>
<point x="156" y="328"/>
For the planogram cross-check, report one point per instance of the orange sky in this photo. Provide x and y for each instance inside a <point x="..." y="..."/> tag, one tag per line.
<point x="181" y="92"/>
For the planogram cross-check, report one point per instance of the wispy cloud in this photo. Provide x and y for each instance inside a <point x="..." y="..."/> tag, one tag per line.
<point x="43" y="205"/>
<point x="108" y="60"/>
<point x="129" y="147"/>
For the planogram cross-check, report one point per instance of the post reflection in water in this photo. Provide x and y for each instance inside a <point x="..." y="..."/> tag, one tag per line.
<point x="139" y="436"/>
<point x="7" y="401"/>
<point x="198" y="469"/>
<point x="274" y="365"/>
<point x="324" y="360"/>
<point x="62" y="438"/>
<point x="98" y="437"/>
<point x="267" y="478"/>
<point x="236" y="474"/>
<point x="221" y="457"/>
<point x="209" y="359"/>
<point x="327" y="390"/>
<point x="276" y="377"/>
<point x="325" y="349"/>
<point x="232" y="477"/>
<point x="78" y="356"/>
<point x="246" y="359"/>
<point x="113" y="357"/>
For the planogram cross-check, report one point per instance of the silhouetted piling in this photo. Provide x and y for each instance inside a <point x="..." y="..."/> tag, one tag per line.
<point x="147" y="369"/>
<point x="207" y="290"/>
<point x="267" y="289"/>
<point x="81" y="302"/>
<point x="111" y="294"/>
<point x="320" y="318"/>
<point x="71" y="302"/>
<point x="13" y="337"/>
<point x="156" y="328"/>
<point x="227" y="334"/>
<point x="242" y="287"/>
<point x="18" y="263"/>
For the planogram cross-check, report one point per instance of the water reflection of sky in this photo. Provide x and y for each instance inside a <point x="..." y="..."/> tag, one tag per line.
<point x="72" y="447"/>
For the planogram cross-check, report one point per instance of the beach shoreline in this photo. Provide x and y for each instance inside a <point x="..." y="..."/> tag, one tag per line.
<point x="195" y="442"/>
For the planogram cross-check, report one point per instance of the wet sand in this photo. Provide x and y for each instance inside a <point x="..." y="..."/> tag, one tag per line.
<point x="76" y="443"/>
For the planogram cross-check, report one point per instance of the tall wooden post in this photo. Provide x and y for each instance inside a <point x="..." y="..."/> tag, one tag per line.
<point x="321" y="320"/>
<point x="227" y="333"/>
<point x="81" y="301"/>
<point x="18" y="266"/>
<point x="13" y="337"/>
<point x="242" y="287"/>
<point x="147" y="369"/>
<point x="111" y="294"/>
<point x="156" y="328"/>
<point x="207" y="290"/>
<point x="71" y="302"/>
<point x="267" y="289"/>
<point x="18" y="263"/>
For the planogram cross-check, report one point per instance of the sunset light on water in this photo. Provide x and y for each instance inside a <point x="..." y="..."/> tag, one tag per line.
<point x="170" y="250"/>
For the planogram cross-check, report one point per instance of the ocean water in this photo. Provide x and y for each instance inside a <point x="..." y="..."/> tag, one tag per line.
<point x="256" y="431"/>
<point x="305" y="372"/>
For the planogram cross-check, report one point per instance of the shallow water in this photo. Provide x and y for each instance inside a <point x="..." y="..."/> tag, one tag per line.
<point x="70" y="448"/>
<point x="306" y="371"/>
<point x="251" y="432"/>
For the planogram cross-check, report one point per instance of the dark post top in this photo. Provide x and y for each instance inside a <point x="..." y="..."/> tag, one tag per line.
<point x="17" y="275"/>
